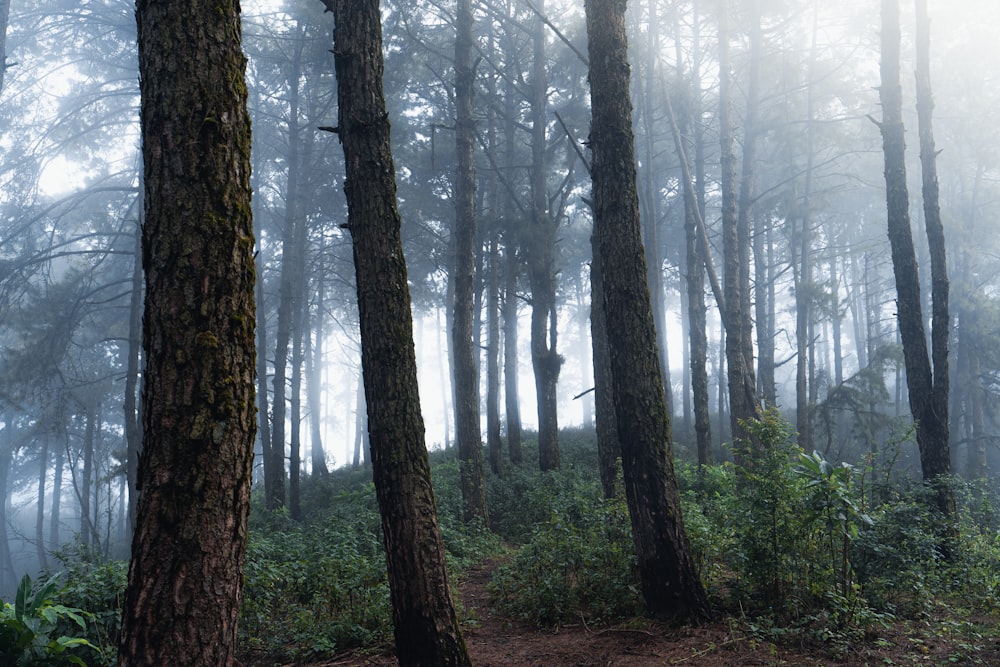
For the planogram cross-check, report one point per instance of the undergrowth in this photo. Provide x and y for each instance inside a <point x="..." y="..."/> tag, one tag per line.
<point x="791" y="547"/>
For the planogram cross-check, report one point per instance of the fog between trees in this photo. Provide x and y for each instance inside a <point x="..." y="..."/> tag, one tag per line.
<point x="816" y="280"/>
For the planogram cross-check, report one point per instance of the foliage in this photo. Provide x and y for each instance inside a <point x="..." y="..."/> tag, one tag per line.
<point x="98" y="587"/>
<point x="312" y="589"/>
<point x="579" y="563"/>
<point x="29" y="627"/>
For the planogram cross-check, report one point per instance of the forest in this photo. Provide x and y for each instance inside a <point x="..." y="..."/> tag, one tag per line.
<point x="499" y="332"/>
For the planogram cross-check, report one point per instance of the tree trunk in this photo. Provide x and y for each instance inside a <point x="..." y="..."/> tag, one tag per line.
<point x="55" y="513"/>
<point x="512" y="403"/>
<point x="921" y="381"/>
<point x="185" y="580"/>
<point x="263" y="411"/>
<point x="295" y="405"/>
<point x="87" y="530"/>
<point x="314" y="365"/>
<point x="763" y="250"/>
<point x="670" y="584"/>
<point x="609" y="449"/>
<point x="289" y="297"/>
<point x="695" y="286"/>
<point x="494" y="443"/>
<point x="742" y="385"/>
<point x="43" y="470"/>
<point x="649" y="199"/>
<point x="940" y="316"/>
<point x="464" y="338"/>
<point x="426" y="628"/>
<point x="538" y="242"/>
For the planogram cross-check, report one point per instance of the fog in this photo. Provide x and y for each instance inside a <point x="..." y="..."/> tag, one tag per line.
<point x="819" y="256"/>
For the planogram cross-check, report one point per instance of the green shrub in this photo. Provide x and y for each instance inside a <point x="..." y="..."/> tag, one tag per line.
<point x="29" y="629"/>
<point x="317" y="588"/>
<point x="578" y="564"/>
<point x="98" y="587"/>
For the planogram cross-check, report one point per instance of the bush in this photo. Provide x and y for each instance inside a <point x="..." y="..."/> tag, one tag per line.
<point x="29" y="629"/>
<point x="580" y="563"/>
<point x="317" y="588"/>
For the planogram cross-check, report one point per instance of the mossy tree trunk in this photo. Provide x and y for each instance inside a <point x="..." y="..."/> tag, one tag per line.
<point x="426" y="627"/>
<point x="185" y="580"/>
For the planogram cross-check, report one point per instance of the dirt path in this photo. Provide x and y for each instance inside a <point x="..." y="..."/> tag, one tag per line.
<point x="498" y="642"/>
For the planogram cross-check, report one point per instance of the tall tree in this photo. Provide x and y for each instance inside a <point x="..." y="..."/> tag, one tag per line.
<point x="464" y="337"/>
<point x="426" y="628"/>
<point x="670" y="584"/>
<point x="539" y="243"/>
<point x="743" y="403"/>
<point x="185" y="580"/>
<point x="923" y="381"/>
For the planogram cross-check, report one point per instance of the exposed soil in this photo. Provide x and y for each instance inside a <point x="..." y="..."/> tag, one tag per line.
<point x="497" y="642"/>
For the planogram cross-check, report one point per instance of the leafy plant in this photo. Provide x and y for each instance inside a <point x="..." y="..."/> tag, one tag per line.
<point x="28" y="628"/>
<point x="579" y="564"/>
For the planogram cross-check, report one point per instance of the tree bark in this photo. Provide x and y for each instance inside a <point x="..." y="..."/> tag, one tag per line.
<point x="670" y="584"/>
<point x="464" y="336"/>
<point x="426" y="628"/>
<point x="185" y="580"/>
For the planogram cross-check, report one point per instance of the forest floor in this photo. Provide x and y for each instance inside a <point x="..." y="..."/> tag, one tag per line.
<point x="493" y="641"/>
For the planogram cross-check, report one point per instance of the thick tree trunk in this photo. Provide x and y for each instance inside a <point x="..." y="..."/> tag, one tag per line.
<point x="670" y="584"/>
<point x="426" y="628"/>
<point x="185" y="580"/>
<point x="464" y="337"/>
<point x="921" y="381"/>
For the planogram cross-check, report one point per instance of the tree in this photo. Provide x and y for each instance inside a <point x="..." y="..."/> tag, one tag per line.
<point x="185" y="580"/>
<point x="426" y="628"/>
<point x="923" y="381"/>
<point x="743" y="402"/>
<point x="670" y="584"/>
<point x="467" y="431"/>
<point x="538" y="241"/>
